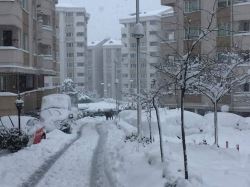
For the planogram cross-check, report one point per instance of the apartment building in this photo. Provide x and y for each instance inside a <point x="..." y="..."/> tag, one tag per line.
<point x="73" y="44"/>
<point x="27" y="44"/>
<point x="112" y="68"/>
<point x="149" y="50"/>
<point x="231" y="25"/>
<point x="95" y="82"/>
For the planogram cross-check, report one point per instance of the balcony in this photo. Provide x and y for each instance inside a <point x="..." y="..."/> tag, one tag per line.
<point x="11" y="13"/>
<point x="46" y="65"/>
<point x="168" y="2"/>
<point x="11" y="58"/>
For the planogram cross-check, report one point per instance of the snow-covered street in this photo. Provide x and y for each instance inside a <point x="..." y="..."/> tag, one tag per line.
<point x="97" y="155"/>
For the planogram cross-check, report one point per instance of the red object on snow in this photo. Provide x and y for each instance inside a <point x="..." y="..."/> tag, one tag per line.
<point x="39" y="135"/>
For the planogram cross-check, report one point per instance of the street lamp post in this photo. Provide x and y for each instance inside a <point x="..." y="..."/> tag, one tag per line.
<point x="19" y="106"/>
<point x="102" y="83"/>
<point x="138" y="34"/>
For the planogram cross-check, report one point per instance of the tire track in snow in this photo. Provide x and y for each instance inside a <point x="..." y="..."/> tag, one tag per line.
<point x="99" y="177"/>
<point x="43" y="169"/>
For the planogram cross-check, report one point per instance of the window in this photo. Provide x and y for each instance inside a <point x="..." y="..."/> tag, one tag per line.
<point x="80" y="34"/>
<point x="132" y="55"/>
<point x="224" y="29"/>
<point x="80" y="74"/>
<point x="71" y="44"/>
<point x="170" y="36"/>
<point x="80" y="44"/>
<point x="24" y="4"/>
<point x="69" y="34"/>
<point x="246" y="87"/>
<point x="153" y="54"/>
<point x="153" y="43"/>
<point x="192" y="6"/>
<point x="125" y="75"/>
<point x="80" y="54"/>
<point x="7" y="38"/>
<point x="124" y="35"/>
<point x="70" y="54"/>
<point x="153" y="22"/>
<point x="152" y="32"/>
<point x="80" y="64"/>
<point x="192" y="32"/>
<point x="80" y="14"/>
<point x="80" y="23"/>
<point x="25" y="41"/>
<point x="223" y="3"/>
<point x="244" y="26"/>
<point x="69" y="14"/>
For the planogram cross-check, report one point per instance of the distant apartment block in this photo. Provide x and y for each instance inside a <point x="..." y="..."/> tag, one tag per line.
<point x="27" y="44"/>
<point x="149" y="50"/>
<point x="112" y="68"/>
<point x="73" y="44"/>
<point x="94" y="70"/>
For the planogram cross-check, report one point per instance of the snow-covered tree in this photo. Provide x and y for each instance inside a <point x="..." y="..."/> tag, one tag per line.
<point x="68" y="87"/>
<point x="219" y="79"/>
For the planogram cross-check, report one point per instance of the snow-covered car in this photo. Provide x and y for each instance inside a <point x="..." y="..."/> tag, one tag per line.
<point x="56" y="112"/>
<point x="31" y="128"/>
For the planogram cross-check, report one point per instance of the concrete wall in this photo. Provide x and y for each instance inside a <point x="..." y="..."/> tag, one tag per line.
<point x="32" y="101"/>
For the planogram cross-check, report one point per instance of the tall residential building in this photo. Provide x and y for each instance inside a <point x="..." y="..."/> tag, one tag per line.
<point x="94" y="70"/>
<point x="73" y="44"/>
<point x="27" y="44"/>
<point x="112" y="68"/>
<point x="149" y="50"/>
<point x="231" y="23"/>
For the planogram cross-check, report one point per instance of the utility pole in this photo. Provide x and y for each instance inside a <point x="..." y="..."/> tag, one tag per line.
<point x="138" y="34"/>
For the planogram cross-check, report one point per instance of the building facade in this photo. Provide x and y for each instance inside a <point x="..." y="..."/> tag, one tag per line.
<point x="112" y="69"/>
<point x="73" y="44"/>
<point x="95" y="82"/>
<point x="149" y="50"/>
<point x="231" y="24"/>
<point x="27" y="44"/>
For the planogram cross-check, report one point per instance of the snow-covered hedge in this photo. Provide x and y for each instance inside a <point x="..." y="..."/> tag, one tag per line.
<point x="12" y="140"/>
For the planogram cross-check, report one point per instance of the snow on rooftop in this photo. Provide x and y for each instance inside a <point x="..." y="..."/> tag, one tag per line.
<point x="145" y="14"/>
<point x="93" y="43"/>
<point x="112" y="42"/>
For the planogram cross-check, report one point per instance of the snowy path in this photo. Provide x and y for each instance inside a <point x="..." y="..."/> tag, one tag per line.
<point x="38" y="175"/>
<point x="99" y="177"/>
<point x="73" y="167"/>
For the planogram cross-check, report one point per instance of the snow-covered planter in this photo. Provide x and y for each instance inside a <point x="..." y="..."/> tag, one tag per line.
<point x="13" y="140"/>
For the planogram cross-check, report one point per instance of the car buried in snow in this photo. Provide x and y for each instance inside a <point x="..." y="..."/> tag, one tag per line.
<point x="56" y="112"/>
<point x="32" y="131"/>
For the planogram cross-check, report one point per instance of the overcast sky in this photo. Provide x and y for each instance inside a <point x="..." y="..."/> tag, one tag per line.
<point x="105" y="15"/>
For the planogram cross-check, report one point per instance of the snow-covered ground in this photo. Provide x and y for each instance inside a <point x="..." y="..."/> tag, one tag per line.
<point x="99" y="156"/>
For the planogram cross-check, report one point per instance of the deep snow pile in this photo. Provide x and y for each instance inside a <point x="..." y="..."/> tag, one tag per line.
<point x="170" y="121"/>
<point x="17" y="167"/>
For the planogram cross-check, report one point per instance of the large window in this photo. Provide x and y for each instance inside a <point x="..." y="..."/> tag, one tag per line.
<point x="244" y="26"/>
<point x="192" y="6"/>
<point x="224" y="29"/>
<point x="192" y="32"/>
<point x="223" y="3"/>
<point x="7" y="38"/>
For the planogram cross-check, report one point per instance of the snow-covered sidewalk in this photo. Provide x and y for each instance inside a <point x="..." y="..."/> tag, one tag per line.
<point x="16" y="168"/>
<point x="73" y="168"/>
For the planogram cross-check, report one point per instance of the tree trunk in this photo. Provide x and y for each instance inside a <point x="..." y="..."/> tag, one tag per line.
<point x="183" y="134"/>
<point x="159" y="129"/>
<point x="215" y="125"/>
<point x="150" y="124"/>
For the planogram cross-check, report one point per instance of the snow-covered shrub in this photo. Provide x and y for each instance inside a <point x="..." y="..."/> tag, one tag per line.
<point x="68" y="86"/>
<point x="224" y="108"/>
<point x="13" y="140"/>
<point x="134" y="137"/>
<point x="82" y="98"/>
